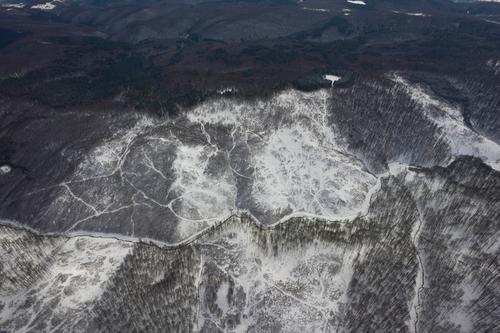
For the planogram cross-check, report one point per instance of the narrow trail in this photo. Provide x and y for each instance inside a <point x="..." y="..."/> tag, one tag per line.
<point x="420" y="278"/>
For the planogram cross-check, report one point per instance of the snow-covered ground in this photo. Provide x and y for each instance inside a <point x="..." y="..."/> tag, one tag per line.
<point x="74" y="275"/>
<point x="461" y="139"/>
<point x="297" y="161"/>
<point x="281" y="153"/>
<point x="301" y="289"/>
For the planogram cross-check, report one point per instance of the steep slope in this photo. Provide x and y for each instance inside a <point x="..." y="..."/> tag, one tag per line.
<point x="411" y="263"/>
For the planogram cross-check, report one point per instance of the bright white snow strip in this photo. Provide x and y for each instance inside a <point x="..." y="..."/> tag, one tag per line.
<point x="316" y="9"/>
<point x="491" y="21"/>
<point x="13" y="5"/>
<point x="420" y="277"/>
<point x="357" y="2"/>
<point x="411" y="14"/>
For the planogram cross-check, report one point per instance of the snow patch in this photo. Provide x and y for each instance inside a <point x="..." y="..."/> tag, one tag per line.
<point x="45" y="6"/>
<point x="332" y="78"/>
<point x="5" y="169"/>
<point x="221" y="300"/>
<point x="357" y="2"/>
